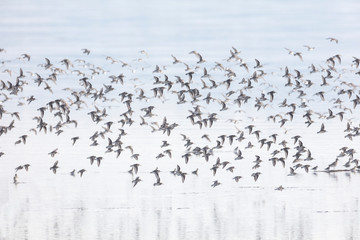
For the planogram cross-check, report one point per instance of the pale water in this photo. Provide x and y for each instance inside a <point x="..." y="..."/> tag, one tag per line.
<point x="103" y="204"/>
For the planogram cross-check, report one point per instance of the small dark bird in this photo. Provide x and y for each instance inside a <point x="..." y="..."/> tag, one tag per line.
<point x="26" y="166"/>
<point x="74" y="139"/>
<point x="53" y="153"/>
<point x="85" y="51"/>
<point x="15" y="179"/>
<point x="256" y="175"/>
<point x="81" y="172"/>
<point x="333" y="40"/>
<point x="136" y="181"/>
<point x="54" y="167"/>
<point x="158" y="183"/>
<point x="258" y="64"/>
<point x="18" y="168"/>
<point x="215" y="183"/>
<point x="237" y="178"/>
<point x="322" y="129"/>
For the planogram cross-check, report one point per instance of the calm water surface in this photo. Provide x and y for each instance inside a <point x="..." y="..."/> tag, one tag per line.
<point x="103" y="204"/>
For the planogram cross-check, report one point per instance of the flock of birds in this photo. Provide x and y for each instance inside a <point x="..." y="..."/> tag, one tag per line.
<point x="231" y="94"/>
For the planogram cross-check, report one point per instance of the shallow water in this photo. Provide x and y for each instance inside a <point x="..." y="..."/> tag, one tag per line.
<point x="103" y="204"/>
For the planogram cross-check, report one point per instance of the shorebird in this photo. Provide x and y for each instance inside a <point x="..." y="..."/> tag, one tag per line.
<point x="47" y="65"/>
<point x="85" y="51"/>
<point x="165" y="144"/>
<point x="298" y="54"/>
<point x="54" y="167"/>
<point x="333" y="40"/>
<point x="256" y="175"/>
<point x="195" y="172"/>
<point x="322" y="129"/>
<point x="15" y="179"/>
<point x="158" y="182"/>
<point x="309" y="48"/>
<point x="156" y="173"/>
<point x="26" y="166"/>
<point x="136" y="181"/>
<point x="183" y="176"/>
<point x="25" y="56"/>
<point x="237" y="178"/>
<point x="81" y="172"/>
<point x="215" y="183"/>
<point x="175" y="60"/>
<point x="53" y="153"/>
<point x="74" y="139"/>
<point x="292" y="172"/>
<point x="333" y="164"/>
<point x="201" y="60"/>
<point x="18" y="168"/>
<point x="258" y="64"/>
<point x="135" y="168"/>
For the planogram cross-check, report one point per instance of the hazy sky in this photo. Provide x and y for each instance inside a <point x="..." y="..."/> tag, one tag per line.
<point x="260" y="27"/>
